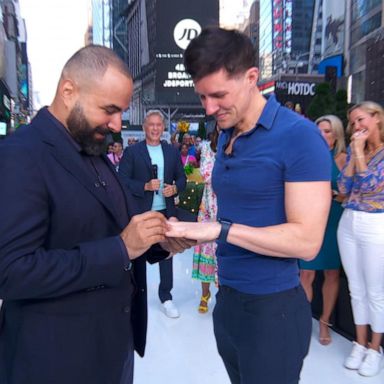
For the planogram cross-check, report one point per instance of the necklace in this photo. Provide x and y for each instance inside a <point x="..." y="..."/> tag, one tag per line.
<point x="373" y="152"/>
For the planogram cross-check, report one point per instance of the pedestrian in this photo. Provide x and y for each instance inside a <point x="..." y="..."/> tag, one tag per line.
<point x="204" y="256"/>
<point x="117" y="154"/>
<point x="361" y="234"/>
<point x="328" y="259"/>
<point x="272" y="181"/>
<point x="72" y="246"/>
<point x="152" y="172"/>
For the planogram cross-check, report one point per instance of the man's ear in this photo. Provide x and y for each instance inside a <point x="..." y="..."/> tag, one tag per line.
<point x="253" y="75"/>
<point x="68" y="92"/>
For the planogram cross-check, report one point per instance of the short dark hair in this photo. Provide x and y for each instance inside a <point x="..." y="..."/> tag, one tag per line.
<point x="91" y="62"/>
<point x="217" y="48"/>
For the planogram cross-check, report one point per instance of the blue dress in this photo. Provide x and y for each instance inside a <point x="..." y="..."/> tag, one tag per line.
<point x="328" y="257"/>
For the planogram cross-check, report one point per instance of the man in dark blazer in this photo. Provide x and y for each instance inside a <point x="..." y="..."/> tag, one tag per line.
<point x="72" y="280"/>
<point x="152" y="172"/>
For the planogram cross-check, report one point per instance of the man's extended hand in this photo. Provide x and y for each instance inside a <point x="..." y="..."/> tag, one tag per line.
<point x="142" y="232"/>
<point x="201" y="232"/>
<point x="176" y="245"/>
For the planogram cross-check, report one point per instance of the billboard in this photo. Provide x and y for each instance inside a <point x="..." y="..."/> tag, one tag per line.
<point x="5" y="103"/>
<point x="282" y="30"/>
<point x="23" y="78"/>
<point x="298" y="89"/>
<point x="333" y="28"/>
<point x="332" y="61"/>
<point x="176" y="25"/>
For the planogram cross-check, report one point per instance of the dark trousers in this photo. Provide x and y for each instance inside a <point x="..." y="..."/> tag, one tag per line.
<point x="127" y="374"/>
<point x="166" y="275"/>
<point x="166" y="279"/>
<point x="262" y="339"/>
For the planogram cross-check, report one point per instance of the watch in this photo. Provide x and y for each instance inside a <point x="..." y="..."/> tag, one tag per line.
<point x="225" y="225"/>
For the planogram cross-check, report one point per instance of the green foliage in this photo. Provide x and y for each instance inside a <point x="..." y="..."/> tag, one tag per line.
<point x="202" y="132"/>
<point x="188" y="169"/>
<point x="327" y="103"/>
<point x="341" y="106"/>
<point x="323" y="102"/>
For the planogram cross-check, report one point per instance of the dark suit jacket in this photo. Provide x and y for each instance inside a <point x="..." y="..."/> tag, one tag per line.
<point x="135" y="170"/>
<point x="67" y="294"/>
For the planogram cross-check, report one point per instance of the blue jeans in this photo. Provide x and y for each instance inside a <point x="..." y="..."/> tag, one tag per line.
<point x="262" y="338"/>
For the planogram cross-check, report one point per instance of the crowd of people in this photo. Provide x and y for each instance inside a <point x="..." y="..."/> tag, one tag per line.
<point x="283" y="197"/>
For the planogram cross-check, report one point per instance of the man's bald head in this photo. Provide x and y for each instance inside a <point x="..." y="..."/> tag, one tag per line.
<point x="90" y="63"/>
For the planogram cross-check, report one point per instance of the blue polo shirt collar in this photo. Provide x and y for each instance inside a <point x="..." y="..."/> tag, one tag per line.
<point x="269" y="113"/>
<point x="266" y="118"/>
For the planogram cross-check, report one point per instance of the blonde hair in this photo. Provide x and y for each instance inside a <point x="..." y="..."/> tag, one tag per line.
<point x="337" y="130"/>
<point x="372" y="108"/>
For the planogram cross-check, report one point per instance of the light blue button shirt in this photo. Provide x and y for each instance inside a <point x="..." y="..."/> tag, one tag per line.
<point x="157" y="157"/>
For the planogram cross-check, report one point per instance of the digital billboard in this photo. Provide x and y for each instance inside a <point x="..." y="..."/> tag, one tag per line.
<point x="23" y="77"/>
<point x="297" y="89"/>
<point x="332" y="61"/>
<point x="333" y="28"/>
<point x="176" y="25"/>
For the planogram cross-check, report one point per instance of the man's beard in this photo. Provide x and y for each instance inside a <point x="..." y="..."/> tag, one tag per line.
<point x="84" y="134"/>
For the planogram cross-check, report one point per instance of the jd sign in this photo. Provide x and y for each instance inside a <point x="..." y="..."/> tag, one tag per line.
<point x="186" y="30"/>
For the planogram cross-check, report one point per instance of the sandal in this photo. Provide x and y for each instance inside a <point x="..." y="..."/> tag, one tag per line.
<point x="203" y="307"/>
<point x="324" y="325"/>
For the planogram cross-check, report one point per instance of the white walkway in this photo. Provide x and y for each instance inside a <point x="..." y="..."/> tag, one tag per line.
<point x="183" y="351"/>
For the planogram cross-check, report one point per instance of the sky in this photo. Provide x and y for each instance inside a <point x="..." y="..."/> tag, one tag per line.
<point x="55" y="30"/>
<point x="234" y="12"/>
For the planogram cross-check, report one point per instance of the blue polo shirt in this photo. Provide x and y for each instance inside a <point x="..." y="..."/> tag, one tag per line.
<point x="249" y="185"/>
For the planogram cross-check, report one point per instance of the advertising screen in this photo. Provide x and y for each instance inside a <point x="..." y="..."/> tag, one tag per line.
<point x="176" y="25"/>
<point x="3" y="128"/>
<point x="333" y="27"/>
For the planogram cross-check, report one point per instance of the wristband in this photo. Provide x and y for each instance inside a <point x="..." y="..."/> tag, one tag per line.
<point x="225" y="226"/>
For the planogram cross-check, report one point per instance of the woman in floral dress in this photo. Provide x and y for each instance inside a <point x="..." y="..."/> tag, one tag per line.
<point x="204" y="256"/>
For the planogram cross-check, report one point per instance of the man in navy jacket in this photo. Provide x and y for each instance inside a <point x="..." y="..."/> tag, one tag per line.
<point x="71" y="275"/>
<point x="153" y="173"/>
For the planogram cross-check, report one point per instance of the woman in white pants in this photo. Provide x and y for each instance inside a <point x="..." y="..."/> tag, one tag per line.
<point x="361" y="233"/>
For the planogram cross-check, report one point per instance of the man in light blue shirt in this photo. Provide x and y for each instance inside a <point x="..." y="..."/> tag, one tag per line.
<point x="152" y="171"/>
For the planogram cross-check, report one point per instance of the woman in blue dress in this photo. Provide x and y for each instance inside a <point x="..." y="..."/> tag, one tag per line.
<point x="328" y="259"/>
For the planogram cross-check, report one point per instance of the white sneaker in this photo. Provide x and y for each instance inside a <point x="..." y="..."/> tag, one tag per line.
<point x="170" y="309"/>
<point x="355" y="359"/>
<point x="372" y="363"/>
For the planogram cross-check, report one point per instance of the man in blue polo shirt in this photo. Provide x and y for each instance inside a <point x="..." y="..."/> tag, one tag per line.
<point x="271" y="178"/>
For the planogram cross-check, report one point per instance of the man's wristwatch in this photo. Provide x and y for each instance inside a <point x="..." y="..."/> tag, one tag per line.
<point x="225" y="225"/>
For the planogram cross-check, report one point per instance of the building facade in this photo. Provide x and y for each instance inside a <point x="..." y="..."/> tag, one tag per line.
<point x="101" y="22"/>
<point x="365" y="32"/>
<point x="15" y="73"/>
<point x="285" y="36"/>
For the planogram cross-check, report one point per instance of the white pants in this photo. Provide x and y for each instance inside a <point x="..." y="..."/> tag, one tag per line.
<point x="360" y="237"/>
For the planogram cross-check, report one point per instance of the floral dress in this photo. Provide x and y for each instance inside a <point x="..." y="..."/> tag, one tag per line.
<point x="204" y="256"/>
